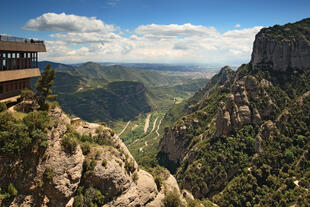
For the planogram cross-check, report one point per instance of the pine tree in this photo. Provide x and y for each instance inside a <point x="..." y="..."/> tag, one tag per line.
<point x="43" y="87"/>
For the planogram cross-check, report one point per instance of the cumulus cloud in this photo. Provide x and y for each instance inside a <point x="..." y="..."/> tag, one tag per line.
<point x="174" y="30"/>
<point x="67" y="23"/>
<point x="83" y="38"/>
<point x="96" y="41"/>
<point x="237" y="25"/>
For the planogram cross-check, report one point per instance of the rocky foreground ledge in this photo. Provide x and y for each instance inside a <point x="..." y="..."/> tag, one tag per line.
<point x="57" y="177"/>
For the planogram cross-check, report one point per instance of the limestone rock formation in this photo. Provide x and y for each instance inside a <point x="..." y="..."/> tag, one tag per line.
<point x="238" y="110"/>
<point x="57" y="174"/>
<point x="282" y="48"/>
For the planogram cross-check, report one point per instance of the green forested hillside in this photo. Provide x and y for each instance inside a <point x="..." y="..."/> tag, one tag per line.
<point x="117" y="100"/>
<point x="244" y="139"/>
<point x="97" y="92"/>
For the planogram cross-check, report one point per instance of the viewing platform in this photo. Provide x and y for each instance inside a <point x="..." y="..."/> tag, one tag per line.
<point x="8" y="43"/>
<point x="18" y="63"/>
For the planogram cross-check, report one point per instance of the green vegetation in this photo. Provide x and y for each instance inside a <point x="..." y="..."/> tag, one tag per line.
<point x="231" y="164"/>
<point x="2" y="107"/>
<point x="288" y="31"/>
<point x="264" y="163"/>
<point x="172" y="199"/>
<point x="130" y="165"/>
<point x="117" y="100"/>
<point x="91" y="197"/>
<point x="89" y="165"/>
<point x="104" y="163"/>
<point x="135" y="177"/>
<point x="12" y="190"/>
<point x="43" y="87"/>
<point x="91" y="90"/>
<point x="48" y="175"/>
<point x="20" y="136"/>
<point x="85" y="148"/>
<point x="68" y="144"/>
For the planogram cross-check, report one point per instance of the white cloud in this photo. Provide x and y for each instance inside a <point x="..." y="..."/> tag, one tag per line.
<point x="112" y="3"/>
<point x="172" y="43"/>
<point x="173" y="30"/>
<point x="237" y="25"/>
<point x="67" y="23"/>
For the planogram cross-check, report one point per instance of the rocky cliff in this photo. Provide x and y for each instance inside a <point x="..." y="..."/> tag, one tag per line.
<point x="238" y="141"/>
<point x="100" y="171"/>
<point x="283" y="47"/>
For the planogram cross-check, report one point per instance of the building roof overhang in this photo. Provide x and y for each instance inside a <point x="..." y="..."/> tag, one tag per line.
<point x="10" y="75"/>
<point x="22" y="46"/>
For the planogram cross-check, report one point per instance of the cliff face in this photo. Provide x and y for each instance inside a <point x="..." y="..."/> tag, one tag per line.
<point x="283" y="47"/>
<point x="102" y="174"/>
<point x="243" y="125"/>
<point x="176" y="141"/>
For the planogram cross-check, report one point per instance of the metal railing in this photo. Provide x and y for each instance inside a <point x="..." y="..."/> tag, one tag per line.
<point x="18" y="39"/>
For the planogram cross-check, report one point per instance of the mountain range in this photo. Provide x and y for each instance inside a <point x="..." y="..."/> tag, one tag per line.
<point x="91" y="90"/>
<point x="244" y="139"/>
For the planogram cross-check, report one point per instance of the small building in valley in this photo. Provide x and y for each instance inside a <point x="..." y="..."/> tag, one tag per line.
<point x="18" y="63"/>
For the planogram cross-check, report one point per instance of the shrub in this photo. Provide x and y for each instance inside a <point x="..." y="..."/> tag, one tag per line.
<point x="97" y="156"/>
<point x="86" y="138"/>
<point x="37" y="120"/>
<point x="90" y="197"/>
<point x="89" y="165"/>
<point x="3" y="107"/>
<point x="172" y="199"/>
<point x="18" y="136"/>
<point x="27" y="94"/>
<point x="158" y="182"/>
<point x="85" y="148"/>
<point x="135" y="177"/>
<point x="52" y="105"/>
<point x="12" y="190"/>
<point x="68" y="144"/>
<point x="14" y="138"/>
<point x="43" y="87"/>
<point x="130" y="166"/>
<point x="193" y="203"/>
<point x="104" y="163"/>
<point x="48" y="174"/>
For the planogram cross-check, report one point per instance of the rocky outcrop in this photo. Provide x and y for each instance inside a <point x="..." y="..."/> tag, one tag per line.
<point x="238" y="111"/>
<point x="282" y="47"/>
<point x="139" y="194"/>
<point x="57" y="174"/>
<point x="175" y="143"/>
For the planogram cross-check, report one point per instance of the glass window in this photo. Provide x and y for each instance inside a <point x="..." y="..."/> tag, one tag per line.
<point x="4" y="55"/>
<point x="9" y="55"/>
<point x="13" y="55"/>
<point x="1" y="89"/>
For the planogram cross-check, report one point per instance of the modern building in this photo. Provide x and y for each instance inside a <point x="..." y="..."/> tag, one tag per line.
<point x="18" y="63"/>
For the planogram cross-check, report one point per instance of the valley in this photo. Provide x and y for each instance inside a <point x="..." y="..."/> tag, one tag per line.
<point x="116" y="134"/>
<point x="133" y="102"/>
<point x="91" y="90"/>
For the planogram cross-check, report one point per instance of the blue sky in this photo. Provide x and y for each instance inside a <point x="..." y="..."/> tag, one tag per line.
<point x="161" y="31"/>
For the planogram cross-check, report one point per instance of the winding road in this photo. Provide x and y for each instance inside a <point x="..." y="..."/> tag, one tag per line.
<point x="147" y="122"/>
<point x="124" y="129"/>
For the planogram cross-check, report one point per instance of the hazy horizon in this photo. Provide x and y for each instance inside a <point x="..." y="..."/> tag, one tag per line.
<point x="143" y="31"/>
